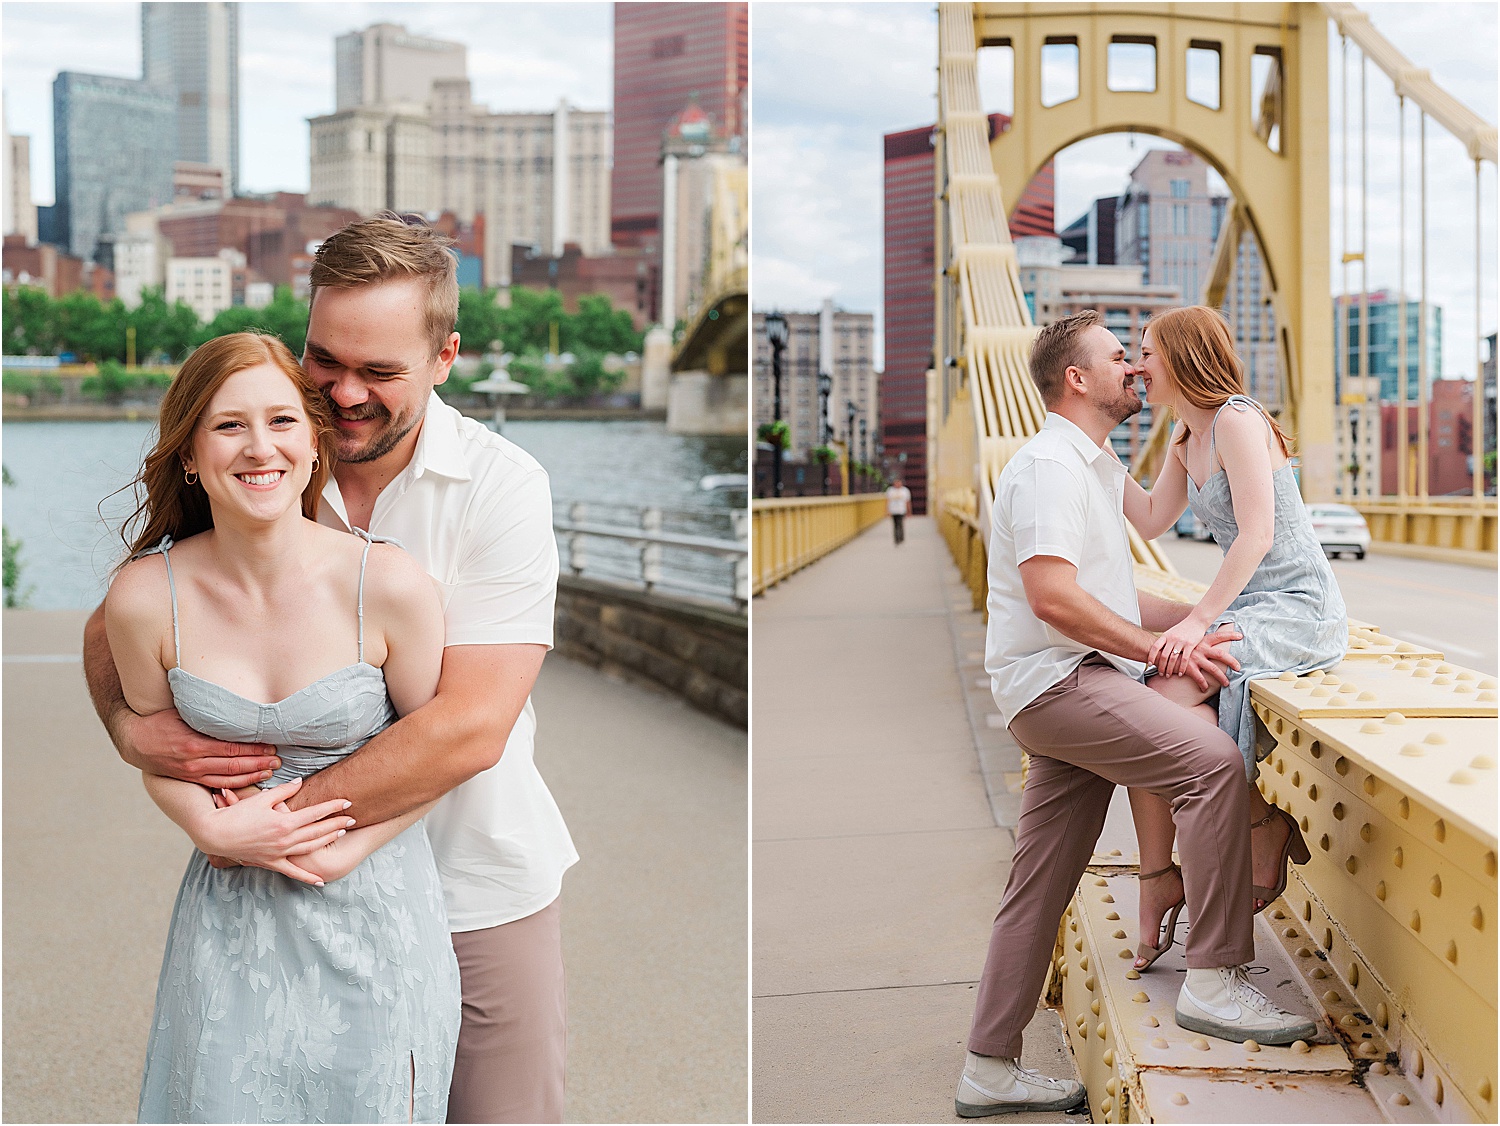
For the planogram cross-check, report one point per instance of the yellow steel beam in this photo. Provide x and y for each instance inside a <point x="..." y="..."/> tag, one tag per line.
<point x="788" y="534"/>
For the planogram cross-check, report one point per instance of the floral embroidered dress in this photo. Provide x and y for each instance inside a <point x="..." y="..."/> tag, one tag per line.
<point x="283" y="1002"/>
<point x="1291" y="612"/>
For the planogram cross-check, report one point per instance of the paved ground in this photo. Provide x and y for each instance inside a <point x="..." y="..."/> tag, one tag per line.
<point x="654" y="916"/>
<point x="1450" y="606"/>
<point x="879" y="859"/>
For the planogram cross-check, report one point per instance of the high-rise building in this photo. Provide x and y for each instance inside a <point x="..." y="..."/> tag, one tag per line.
<point x="1091" y="237"/>
<point x="113" y="145"/>
<point x="695" y="158"/>
<point x="193" y="50"/>
<point x="19" y="212"/>
<point x="386" y="65"/>
<point x="1165" y="222"/>
<point x="831" y="340"/>
<point x="908" y="304"/>
<point x="665" y="54"/>
<point x="1385" y="342"/>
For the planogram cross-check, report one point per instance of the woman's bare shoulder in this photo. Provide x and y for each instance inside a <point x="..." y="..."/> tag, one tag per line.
<point x="392" y="575"/>
<point x="139" y="594"/>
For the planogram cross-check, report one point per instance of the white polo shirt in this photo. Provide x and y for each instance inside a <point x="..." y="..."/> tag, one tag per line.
<point x="1060" y="495"/>
<point x="475" y="511"/>
<point x="897" y="497"/>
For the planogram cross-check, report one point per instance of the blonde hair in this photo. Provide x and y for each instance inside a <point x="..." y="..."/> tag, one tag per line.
<point x="171" y="506"/>
<point x="1059" y="347"/>
<point x="1197" y="349"/>
<point x="386" y="248"/>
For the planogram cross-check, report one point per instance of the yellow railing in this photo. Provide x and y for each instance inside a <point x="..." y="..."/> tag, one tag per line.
<point x="789" y="534"/>
<point x="966" y="543"/>
<point x="1456" y="523"/>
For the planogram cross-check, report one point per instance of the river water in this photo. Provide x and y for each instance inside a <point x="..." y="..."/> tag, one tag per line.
<point x="64" y="470"/>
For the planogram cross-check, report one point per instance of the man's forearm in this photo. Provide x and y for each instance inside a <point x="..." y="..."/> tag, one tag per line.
<point x="1161" y="614"/>
<point x="416" y="760"/>
<point x="103" y="680"/>
<point x="1083" y="618"/>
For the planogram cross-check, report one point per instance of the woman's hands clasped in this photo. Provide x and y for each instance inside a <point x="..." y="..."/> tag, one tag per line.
<point x="1188" y="649"/>
<point x="259" y="830"/>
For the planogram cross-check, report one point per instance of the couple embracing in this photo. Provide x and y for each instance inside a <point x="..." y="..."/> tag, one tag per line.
<point x="1104" y="686"/>
<point x="369" y="930"/>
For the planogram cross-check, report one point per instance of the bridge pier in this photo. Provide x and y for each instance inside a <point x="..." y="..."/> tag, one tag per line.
<point x="701" y="403"/>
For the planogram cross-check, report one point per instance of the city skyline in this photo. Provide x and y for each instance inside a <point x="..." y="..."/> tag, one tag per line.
<point x="522" y="57"/>
<point x="819" y="120"/>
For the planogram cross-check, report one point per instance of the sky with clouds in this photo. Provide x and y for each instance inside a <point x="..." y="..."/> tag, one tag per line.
<point x="827" y="80"/>
<point x="521" y="57"/>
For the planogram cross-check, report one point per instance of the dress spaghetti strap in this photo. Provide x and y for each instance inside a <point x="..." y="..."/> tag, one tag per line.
<point x="165" y="548"/>
<point x="1213" y="455"/>
<point x="364" y="559"/>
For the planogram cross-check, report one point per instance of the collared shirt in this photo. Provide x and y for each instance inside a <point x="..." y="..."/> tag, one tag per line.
<point x="897" y="498"/>
<point x="475" y="511"/>
<point x="1062" y="495"/>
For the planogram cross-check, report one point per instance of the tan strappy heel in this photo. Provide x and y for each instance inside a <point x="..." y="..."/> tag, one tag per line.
<point x="1166" y="929"/>
<point x="1295" y="850"/>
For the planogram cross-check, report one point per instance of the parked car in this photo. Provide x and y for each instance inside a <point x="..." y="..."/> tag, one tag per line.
<point x="1339" y="528"/>
<point x="1189" y="526"/>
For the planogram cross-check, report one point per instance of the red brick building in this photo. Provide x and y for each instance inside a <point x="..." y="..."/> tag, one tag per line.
<point x="909" y="266"/>
<point x="44" y="266"/>
<point x="269" y="231"/>
<point x="664" y="54"/>
<point x="626" y="278"/>
<point x="1450" y="441"/>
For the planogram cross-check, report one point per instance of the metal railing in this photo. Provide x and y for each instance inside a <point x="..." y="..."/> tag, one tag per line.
<point x="793" y="532"/>
<point x="700" y="555"/>
<point x="1457" y="523"/>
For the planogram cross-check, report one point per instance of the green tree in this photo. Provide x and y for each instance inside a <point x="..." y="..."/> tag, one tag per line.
<point x="481" y="321"/>
<point x="162" y="328"/>
<point x="10" y="559"/>
<point x="284" y="317"/>
<point x="92" y="330"/>
<point x="28" y="322"/>
<point x="526" y="327"/>
<point x="600" y="327"/>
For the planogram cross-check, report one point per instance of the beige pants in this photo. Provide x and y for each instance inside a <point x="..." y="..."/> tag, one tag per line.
<point x="1095" y="730"/>
<point x="512" y="1047"/>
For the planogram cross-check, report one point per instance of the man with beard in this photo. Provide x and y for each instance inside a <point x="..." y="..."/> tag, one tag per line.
<point x="1067" y="639"/>
<point x="475" y="510"/>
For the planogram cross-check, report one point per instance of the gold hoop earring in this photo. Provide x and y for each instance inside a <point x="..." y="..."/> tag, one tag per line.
<point x="190" y="476"/>
<point x="315" y="463"/>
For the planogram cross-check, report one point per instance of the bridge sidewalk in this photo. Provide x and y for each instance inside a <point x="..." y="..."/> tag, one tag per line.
<point x="879" y="858"/>
<point x="654" y="915"/>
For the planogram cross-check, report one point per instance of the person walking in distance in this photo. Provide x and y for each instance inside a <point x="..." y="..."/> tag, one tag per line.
<point x="1066" y="646"/>
<point x="897" y="504"/>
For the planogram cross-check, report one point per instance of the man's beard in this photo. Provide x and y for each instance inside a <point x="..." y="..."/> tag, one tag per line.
<point x="383" y="441"/>
<point x="1125" y="405"/>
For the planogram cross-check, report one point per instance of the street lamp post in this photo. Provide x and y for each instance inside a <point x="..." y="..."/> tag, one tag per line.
<point x="852" y="410"/>
<point x="776" y="335"/>
<point x="825" y="390"/>
<point x="864" y="442"/>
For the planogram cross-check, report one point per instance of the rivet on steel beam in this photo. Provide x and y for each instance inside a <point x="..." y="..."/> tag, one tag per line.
<point x="1319" y="691"/>
<point x="1365" y="697"/>
<point x="1094" y="1004"/>
<point x="1287" y="676"/>
<point x="1353" y="975"/>
<point x="1437" y="1089"/>
<point x="1158" y="1042"/>
<point x="1486" y="1090"/>
<point x="1088" y="983"/>
<point x="1280" y="725"/>
<point x="1113" y="1084"/>
<point x="1278" y="914"/>
<point x="1442" y="680"/>
<point x="1300" y="1046"/>
<point x="1351" y="865"/>
<point x="1416" y="920"/>
<point x="1304" y="951"/>
<point x="1482" y="762"/>
<point x="1073" y="924"/>
<point x="1351" y="1022"/>
<point x="1199" y="1043"/>
<point x="1296" y="739"/>
<point x="1290" y="932"/>
<point x="1366" y="1047"/>
<point x="1332" y="997"/>
<point x="1327" y="938"/>
<point x="1106" y="899"/>
<point x="1127" y="953"/>
<point x="1403" y="808"/>
<point x="1487" y="697"/>
<point x="1439" y="830"/>
<point x="1421" y="672"/>
<point x="1180" y="1099"/>
<point x="1307" y="910"/>
<point x="1400" y="1100"/>
<point x="1436" y="738"/>
<point x="1403" y="665"/>
<point x="1436" y="887"/>
<point x="1338" y="809"/>
<point x="1114" y="852"/>
<point x="1476" y="920"/>
<point x="1141" y="998"/>
<point x="1251" y="1046"/>
<point x="1100" y="1030"/>
<point x="1398" y="857"/>
<point x="1083" y="963"/>
<point x="1323" y="842"/>
<point x="1109" y="1060"/>
<point x="1467" y="674"/>
<point x="1370" y="727"/>
<point x="1113" y="916"/>
<point x="1379" y="1068"/>
<point x="1132" y="975"/>
<point x="1304" y="823"/>
<point x="1101" y="882"/>
<point x="1312" y="792"/>
<point x="1487" y="682"/>
<point x="1341" y="765"/>
<point x="1489" y="863"/>
<point x="1106" y="1106"/>
<point x="1152" y="1022"/>
<point x="1078" y="944"/>
<point x="1329" y="678"/>
<point x="1315" y="749"/>
<point x="1082" y="1021"/>
<point x="1382" y="1018"/>
<point x="1418" y="1064"/>
<point x="1118" y="934"/>
<point x="1348" y="689"/>
<point x="1281" y="768"/>
<point x="1413" y="750"/>
<point x="1296" y="778"/>
<point x="1395" y="719"/>
<point x="1452" y="952"/>
<point x="1319" y="973"/>
<point x="1367" y="832"/>
<point x="1380" y="891"/>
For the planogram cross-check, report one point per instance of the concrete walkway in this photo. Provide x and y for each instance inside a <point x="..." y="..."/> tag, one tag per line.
<point x="654" y="916"/>
<point x="879" y="857"/>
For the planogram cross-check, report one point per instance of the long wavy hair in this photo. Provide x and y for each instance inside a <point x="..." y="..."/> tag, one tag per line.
<point x="1197" y="349"/>
<point x="172" y="507"/>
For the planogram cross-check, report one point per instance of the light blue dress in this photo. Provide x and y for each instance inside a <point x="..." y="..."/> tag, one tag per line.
<point x="283" y="1002"/>
<point x="1291" y="611"/>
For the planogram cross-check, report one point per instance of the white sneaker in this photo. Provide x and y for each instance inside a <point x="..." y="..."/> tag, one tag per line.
<point x="995" y="1085"/>
<point x="1223" y="1003"/>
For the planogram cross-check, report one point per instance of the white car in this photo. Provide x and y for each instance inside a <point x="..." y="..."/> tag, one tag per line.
<point x="1339" y="528"/>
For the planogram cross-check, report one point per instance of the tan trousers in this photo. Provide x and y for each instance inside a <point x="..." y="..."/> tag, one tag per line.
<point x="512" y="1047"/>
<point x="1095" y="730"/>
